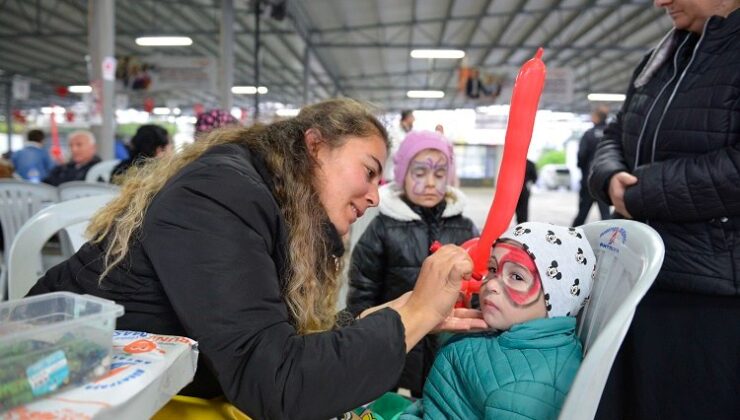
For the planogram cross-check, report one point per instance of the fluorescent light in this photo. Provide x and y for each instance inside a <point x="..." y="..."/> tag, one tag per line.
<point x="606" y="97"/>
<point x="164" y="41"/>
<point x="449" y="54"/>
<point x="52" y="110"/>
<point x="80" y="88"/>
<point x="287" y="112"/>
<point x="160" y="110"/>
<point x="425" y="94"/>
<point x="248" y="90"/>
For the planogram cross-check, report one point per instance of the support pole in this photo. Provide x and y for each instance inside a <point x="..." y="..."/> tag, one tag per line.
<point x="101" y="36"/>
<point x="256" y="59"/>
<point x="306" y="67"/>
<point x="9" y="112"/>
<point x="226" y="62"/>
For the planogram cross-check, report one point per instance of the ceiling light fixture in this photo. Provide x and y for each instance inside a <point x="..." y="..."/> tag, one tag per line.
<point x="425" y="94"/>
<point x="248" y="90"/>
<point x="164" y="41"/>
<point x="79" y="88"/>
<point x="606" y="97"/>
<point x="161" y="110"/>
<point x="287" y="112"/>
<point x="445" y="54"/>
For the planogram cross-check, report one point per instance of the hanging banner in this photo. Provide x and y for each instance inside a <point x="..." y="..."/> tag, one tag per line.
<point x="21" y="88"/>
<point x="559" y="85"/>
<point x="160" y="73"/>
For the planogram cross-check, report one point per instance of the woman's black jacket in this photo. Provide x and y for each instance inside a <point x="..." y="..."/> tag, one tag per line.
<point x="679" y="134"/>
<point x="207" y="265"/>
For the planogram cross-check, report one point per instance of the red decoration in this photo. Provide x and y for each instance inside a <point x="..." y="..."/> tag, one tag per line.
<point x="198" y="109"/>
<point x="19" y="116"/>
<point x="70" y="116"/>
<point x="148" y="104"/>
<point x="62" y="91"/>
<point x="56" y="150"/>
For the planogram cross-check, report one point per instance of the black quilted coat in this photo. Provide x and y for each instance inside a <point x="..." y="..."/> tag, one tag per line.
<point x="679" y="134"/>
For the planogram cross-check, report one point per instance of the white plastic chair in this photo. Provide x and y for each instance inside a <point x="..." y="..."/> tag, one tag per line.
<point x="629" y="256"/>
<point x="100" y="172"/>
<point x="24" y="260"/>
<point x="19" y="200"/>
<point x="78" y="189"/>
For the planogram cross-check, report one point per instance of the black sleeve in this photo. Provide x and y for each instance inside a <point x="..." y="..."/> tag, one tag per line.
<point x="609" y="157"/>
<point x="367" y="270"/>
<point x="583" y="150"/>
<point x="687" y="189"/>
<point x="211" y="248"/>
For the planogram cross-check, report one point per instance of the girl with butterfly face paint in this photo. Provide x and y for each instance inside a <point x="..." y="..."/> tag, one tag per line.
<point x="416" y="210"/>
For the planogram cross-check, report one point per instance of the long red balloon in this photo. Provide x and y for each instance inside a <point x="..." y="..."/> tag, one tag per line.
<point x="524" y="100"/>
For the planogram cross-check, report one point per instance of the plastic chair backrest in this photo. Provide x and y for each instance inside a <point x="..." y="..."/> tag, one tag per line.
<point x="78" y="189"/>
<point x="19" y="200"/>
<point x="24" y="261"/>
<point x="629" y="255"/>
<point x="100" y="172"/>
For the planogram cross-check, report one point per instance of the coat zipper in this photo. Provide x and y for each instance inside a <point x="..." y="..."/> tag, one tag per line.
<point x="675" y="89"/>
<point x="655" y="101"/>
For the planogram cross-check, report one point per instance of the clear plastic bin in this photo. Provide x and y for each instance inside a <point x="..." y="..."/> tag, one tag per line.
<point x="51" y="342"/>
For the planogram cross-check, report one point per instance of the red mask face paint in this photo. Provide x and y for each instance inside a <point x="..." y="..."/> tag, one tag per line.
<point x="517" y="274"/>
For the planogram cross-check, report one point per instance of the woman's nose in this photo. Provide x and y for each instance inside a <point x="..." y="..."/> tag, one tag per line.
<point x="373" y="198"/>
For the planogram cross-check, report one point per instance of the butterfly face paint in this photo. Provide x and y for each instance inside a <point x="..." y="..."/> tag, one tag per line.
<point x="512" y="291"/>
<point x="426" y="179"/>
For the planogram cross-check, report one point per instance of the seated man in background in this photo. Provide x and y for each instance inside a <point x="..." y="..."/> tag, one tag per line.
<point x="33" y="162"/>
<point x="82" y="150"/>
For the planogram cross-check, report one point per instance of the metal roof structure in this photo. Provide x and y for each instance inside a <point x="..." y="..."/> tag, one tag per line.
<point x="316" y="49"/>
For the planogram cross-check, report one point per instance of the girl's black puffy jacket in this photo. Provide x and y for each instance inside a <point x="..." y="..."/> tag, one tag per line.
<point x="387" y="259"/>
<point x="679" y="134"/>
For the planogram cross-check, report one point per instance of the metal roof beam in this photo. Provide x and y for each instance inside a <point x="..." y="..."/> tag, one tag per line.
<point x="474" y="17"/>
<point x="302" y="25"/>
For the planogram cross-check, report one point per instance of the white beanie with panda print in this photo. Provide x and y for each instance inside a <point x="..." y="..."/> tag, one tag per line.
<point x="564" y="260"/>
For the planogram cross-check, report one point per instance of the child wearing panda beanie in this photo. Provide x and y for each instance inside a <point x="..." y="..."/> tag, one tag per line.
<point x="540" y="275"/>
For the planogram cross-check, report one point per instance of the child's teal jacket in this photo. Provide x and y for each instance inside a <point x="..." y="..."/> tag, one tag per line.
<point x="522" y="373"/>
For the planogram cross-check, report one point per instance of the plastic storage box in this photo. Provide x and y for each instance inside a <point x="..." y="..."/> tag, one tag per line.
<point x="53" y="341"/>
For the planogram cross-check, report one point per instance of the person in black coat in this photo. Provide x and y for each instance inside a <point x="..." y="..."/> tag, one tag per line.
<point x="672" y="160"/>
<point x="418" y="210"/>
<point x="586" y="150"/>
<point x="236" y="242"/>
<point x="522" y="205"/>
<point x="150" y="141"/>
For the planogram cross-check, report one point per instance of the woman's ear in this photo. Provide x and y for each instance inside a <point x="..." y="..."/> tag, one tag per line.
<point x="313" y="141"/>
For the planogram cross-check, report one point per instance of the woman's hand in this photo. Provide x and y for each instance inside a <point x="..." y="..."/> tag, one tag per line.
<point x="617" y="184"/>
<point x="436" y="291"/>
<point x="393" y="304"/>
<point x="463" y="320"/>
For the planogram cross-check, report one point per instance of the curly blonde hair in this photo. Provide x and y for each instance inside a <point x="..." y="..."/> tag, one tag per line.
<point x="312" y="282"/>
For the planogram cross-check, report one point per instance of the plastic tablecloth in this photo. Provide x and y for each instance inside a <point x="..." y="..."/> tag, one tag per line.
<point x="147" y="370"/>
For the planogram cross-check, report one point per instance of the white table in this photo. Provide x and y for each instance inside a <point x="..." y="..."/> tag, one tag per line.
<point x="147" y="370"/>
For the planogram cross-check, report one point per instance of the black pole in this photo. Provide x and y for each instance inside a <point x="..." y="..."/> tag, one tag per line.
<point x="9" y="113"/>
<point x="256" y="59"/>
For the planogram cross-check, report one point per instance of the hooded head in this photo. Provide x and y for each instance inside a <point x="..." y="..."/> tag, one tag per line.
<point x="415" y="142"/>
<point x="213" y="119"/>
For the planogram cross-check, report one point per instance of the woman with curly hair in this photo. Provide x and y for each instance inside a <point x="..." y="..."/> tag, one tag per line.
<point x="236" y="242"/>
